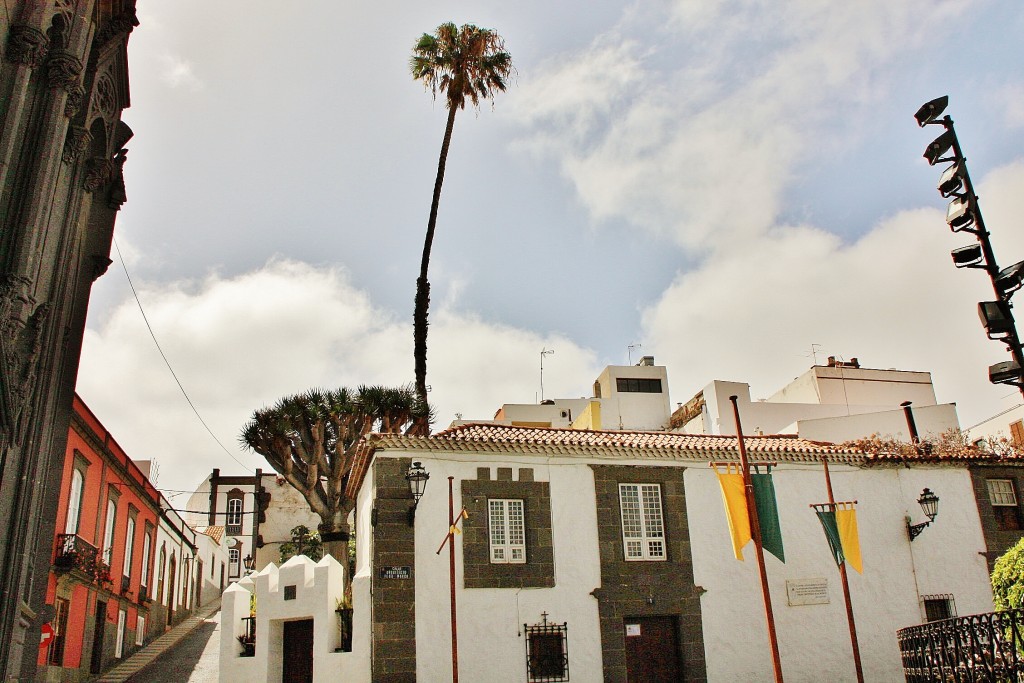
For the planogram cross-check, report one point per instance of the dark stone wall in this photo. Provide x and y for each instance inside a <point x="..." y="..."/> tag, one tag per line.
<point x="393" y="600"/>
<point x="478" y="571"/>
<point x="646" y="588"/>
<point x="997" y="540"/>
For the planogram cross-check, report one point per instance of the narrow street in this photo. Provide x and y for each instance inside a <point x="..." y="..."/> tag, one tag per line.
<point x="194" y="659"/>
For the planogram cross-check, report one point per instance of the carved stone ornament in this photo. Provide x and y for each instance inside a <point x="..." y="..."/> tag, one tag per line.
<point x="75" y="143"/>
<point x="100" y="264"/>
<point x="26" y="45"/>
<point x="64" y="71"/>
<point x="116" y="26"/>
<point x="118" y="193"/>
<point x="74" y="102"/>
<point x="20" y="346"/>
<point x="98" y="172"/>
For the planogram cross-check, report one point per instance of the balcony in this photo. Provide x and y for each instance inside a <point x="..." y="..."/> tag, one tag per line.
<point x="75" y="553"/>
<point x="981" y="647"/>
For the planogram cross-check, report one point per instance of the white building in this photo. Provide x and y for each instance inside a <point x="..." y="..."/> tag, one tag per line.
<point x="211" y="564"/>
<point x="836" y="402"/>
<point x="175" y="567"/>
<point x="552" y="575"/>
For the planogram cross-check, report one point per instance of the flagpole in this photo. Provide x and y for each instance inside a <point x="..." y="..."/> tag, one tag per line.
<point x="451" y="575"/>
<point x="846" y="585"/>
<point x="755" y="532"/>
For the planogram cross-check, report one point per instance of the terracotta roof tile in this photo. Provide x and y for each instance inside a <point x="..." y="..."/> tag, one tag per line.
<point x="214" y="532"/>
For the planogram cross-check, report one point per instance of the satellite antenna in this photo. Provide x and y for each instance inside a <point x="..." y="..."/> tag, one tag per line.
<point x="543" y="352"/>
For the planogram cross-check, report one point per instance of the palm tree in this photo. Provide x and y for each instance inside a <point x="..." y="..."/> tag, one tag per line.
<point x="464" y="63"/>
<point x="311" y="439"/>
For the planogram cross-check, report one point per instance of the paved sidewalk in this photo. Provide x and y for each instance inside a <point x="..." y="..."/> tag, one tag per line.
<point x="206" y="618"/>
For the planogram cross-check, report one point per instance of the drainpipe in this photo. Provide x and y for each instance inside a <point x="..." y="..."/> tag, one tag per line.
<point x="911" y="425"/>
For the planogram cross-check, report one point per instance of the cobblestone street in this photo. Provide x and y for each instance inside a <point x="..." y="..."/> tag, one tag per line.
<point x="194" y="659"/>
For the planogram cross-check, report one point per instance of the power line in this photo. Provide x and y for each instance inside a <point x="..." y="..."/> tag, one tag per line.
<point x="167" y="362"/>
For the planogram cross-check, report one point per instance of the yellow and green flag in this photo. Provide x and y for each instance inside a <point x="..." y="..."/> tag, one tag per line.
<point x="735" y="498"/>
<point x="839" y="522"/>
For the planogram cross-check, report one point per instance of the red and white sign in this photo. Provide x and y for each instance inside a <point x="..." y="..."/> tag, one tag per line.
<point x="47" y="636"/>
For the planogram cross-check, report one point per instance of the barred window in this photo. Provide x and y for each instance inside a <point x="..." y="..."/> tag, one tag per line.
<point x="507" y="526"/>
<point x="938" y="607"/>
<point x="643" y="527"/>
<point x="547" y="654"/>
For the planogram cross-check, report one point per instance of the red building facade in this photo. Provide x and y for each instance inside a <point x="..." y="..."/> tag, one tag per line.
<point x="101" y="583"/>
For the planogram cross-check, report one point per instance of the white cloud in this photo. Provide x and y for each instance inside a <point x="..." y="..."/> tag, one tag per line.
<point x="239" y="343"/>
<point x="892" y="299"/>
<point x="178" y="72"/>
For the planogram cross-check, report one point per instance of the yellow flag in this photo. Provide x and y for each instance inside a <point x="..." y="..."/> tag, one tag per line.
<point x="454" y="529"/>
<point x="734" y="495"/>
<point x="465" y="513"/>
<point x="846" y="520"/>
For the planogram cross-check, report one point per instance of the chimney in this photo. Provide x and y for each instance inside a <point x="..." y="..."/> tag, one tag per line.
<point x="646" y="361"/>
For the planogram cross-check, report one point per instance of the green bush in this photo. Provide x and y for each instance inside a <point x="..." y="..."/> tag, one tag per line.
<point x="304" y="542"/>
<point x="1008" y="579"/>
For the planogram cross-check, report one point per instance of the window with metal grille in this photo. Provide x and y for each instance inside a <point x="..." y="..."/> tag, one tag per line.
<point x="547" y="654"/>
<point x="1003" y="496"/>
<point x="643" y="527"/>
<point x="938" y="607"/>
<point x="637" y="385"/>
<point x="507" y="527"/>
<point x="60" y="625"/>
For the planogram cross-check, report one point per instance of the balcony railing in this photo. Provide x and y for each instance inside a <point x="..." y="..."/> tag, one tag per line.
<point x="75" y="553"/>
<point x="981" y="647"/>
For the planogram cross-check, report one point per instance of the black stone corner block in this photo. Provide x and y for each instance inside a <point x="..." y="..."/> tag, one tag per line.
<point x="328" y="536"/>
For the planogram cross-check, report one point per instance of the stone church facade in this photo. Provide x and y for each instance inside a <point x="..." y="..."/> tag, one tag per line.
<point x="63" y="87"/>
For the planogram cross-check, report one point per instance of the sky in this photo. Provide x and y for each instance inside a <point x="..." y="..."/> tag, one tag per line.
<point x="735" y="187"/>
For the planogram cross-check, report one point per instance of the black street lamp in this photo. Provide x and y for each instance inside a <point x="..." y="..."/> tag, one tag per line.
<point x="929" y="503"/>
<point x="250" y="562"/>
<point x="964" y="215"/>
<point x="417" y="478"/>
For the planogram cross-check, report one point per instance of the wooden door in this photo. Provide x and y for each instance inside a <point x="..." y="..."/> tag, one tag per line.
<point x="297" y="657"/>
<point x="98" y="632"/>
<point x="652" y="650"/>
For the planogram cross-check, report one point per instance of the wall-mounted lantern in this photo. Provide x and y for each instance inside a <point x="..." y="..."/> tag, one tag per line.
<point x="417" y="477"/>
<point x="929" y="503"/>
<point x="250" y="563"/>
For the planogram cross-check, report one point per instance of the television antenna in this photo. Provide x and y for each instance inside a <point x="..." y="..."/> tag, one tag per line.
<point x="629" y="352"/>
<point x="543" y="352"/>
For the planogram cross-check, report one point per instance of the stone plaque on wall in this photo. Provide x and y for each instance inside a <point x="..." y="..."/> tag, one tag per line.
<point x="396" y="572"/>
<point x="807" y="592"/>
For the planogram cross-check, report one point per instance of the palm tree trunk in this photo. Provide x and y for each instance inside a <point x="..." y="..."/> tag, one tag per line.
<point x="422" y="285"/>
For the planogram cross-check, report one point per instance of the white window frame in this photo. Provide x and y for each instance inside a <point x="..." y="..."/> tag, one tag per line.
<point x="122" y="618"/>
<point x="234" y="562"/>
<point x="147" y="545"/>
<point x="643" y="523"/>
<point x="129" y="548"/>
<point x="140" y="629"/>
<point x="235" y="509"/>
<point x="506" y="524"/>
<point x="74" y="501"/>
<point x="1002" y="493"/>
<point x="108" y="532"/>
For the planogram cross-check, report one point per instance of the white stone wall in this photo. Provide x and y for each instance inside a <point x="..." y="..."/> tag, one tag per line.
<point x="814" y="640"/>
<point x="318" y="588"/>
<point x="287" y="510"/>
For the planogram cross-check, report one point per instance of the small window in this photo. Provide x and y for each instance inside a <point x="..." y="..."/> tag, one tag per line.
<point x="140" y="630"/>
<point x="129" y="546"/>
<point x="122" y="618"/>
<point x="506" y="522"/>
<point x="938" y="607"/>
<point x="108" y="533"/>
<point x="1003" y="496"/>
<point x="643" y="527"/>
<point x="637" y="385"/>
<point x="233" y="566"/>
<point x="60" y="625"/>
<point x="547" y="656"/>
<point x="147" y="546"/>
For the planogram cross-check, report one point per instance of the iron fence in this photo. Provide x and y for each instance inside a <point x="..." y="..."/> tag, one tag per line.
<point x="981" y="648"/>
<point x="75" y="553"/>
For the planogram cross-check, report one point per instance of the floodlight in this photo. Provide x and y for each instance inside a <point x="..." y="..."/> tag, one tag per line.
<point x="952" y="180"/>
<point x="959" y="215"/>
<point x="939" y="146"/>
<point x="997" y="319"/>
<point x="931" y="110"/>
<point x="1010" y="279"/>
<point x="1007" y="372"/>
<point x="967" y="257"/>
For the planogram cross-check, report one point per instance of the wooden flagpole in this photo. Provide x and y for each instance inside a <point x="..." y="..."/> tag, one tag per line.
<point x="846" y="585"/>
<point x="755" y="532"/>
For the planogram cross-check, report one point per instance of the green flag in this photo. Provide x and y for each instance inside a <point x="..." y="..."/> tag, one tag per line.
<point x="828" y="524"/>
<point x="768" y="514"/>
